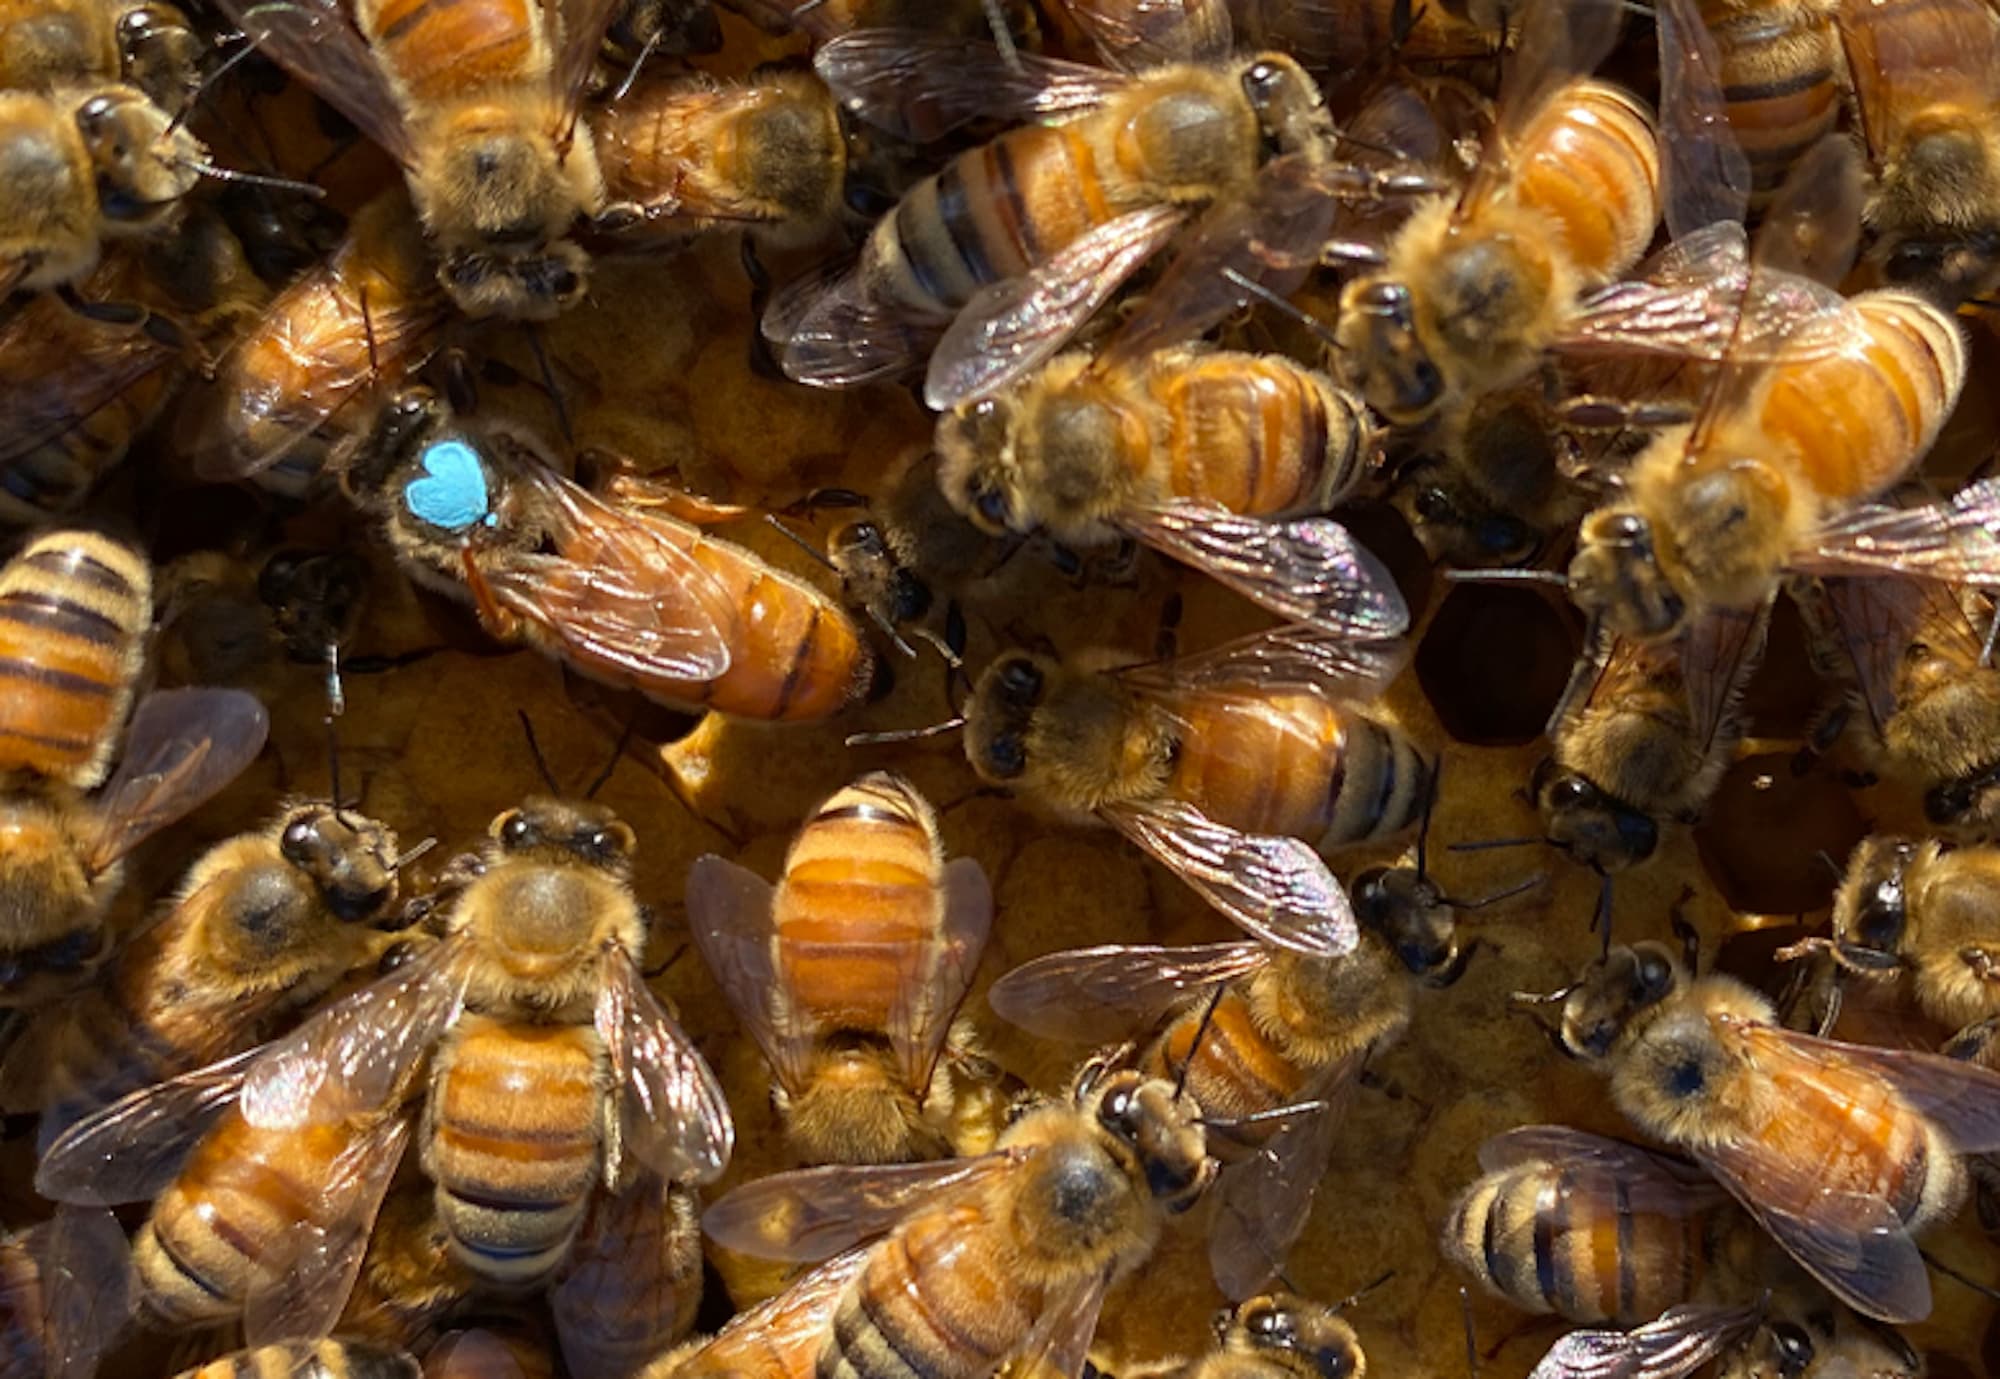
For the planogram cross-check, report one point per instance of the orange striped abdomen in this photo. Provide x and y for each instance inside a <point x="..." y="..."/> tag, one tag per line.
<point x="857" y="907"/>
<point x="799" y="658"/>
<point x="1591" y="161"/>
<point x="1856" y="1135"/>
<point x="438" y="50"/>
<point x="74" y="610"/>
<point x="1857" y="421"/>
<point x="202" y="1250"/>
<point x="511" y="1139"/>
<point x="1781" y="78"/>
<point x="1296" y="765"/>
<point x="931" y="1303"/>
<point x="1237" y="1070"/>
<point x="1257" y="434"/>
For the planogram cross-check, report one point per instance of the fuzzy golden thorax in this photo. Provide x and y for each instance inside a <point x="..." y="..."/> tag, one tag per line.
<point x="48" y="220"/>
<point x="1321" y="1010"/>
<point x="1294" y="1335"/>
<point x="1071" y="740"/>
<point x="1941" y="174"/>
<point x="1952" y="938"/>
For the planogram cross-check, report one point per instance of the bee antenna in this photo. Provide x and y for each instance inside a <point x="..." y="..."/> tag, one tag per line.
<point x="950" y="725"/>
<point x="1358" y="1294"/>
<point x="785" y="529"/>
<point x="667" y="965"/>
<point x="404" y="859"/>
<point x="617" y="754"/>
<point x="624" y="87"/>
<point x="1320" y="331"/>
<point x="255" y="179"/>
<point x="1471" y="1333"/>
<point x="1489" y="844"/>
<point x="535" y="750"/>
<point x="1526" y="999"/>
<point x="1555" y="577"/>
<point x="1985" y="1290"/>
<point x="368" y="334"/>
<point x="549" y="383"/>
<point x="333" y="772"/>
<point x="1992" y="635"/>
<point x="1003" y="38"/>
<point x="1194" y="1044"/>
<point x="1826" y="859"/>
<point x="194" y="97"/>
<point x="1601" y="921"/>
<point x="1430" y="806"/>
<point x="1518" y="888"/>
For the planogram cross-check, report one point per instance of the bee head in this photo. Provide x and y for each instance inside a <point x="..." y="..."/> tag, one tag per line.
<point x="574" y="831"/>
<point x="1597" y="829"/>
<point x="144" y="162"/>
<point x="350" y="859"/>
<point x="999" y="713"/>
<point x="161" y="54"/>
<point x="1289" y="106"/>
<point x="315" y="597"/>
<point x="1871" y="911"/>
<point x="1616" y="576"/>
<point x="1382" y="353"/>
<point x="1156" y="1133"/>
<point x="1457" y="526"/>
<point x="1613" y="991"/>
<point x="1408" y="911"/>
<point x="520" y="287"/>
<point x="975" y="449"/>
<point x="1303" y="1337"/>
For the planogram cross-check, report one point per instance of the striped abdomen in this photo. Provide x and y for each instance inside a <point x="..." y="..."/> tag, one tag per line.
<point x="1856" y="1135"/>
<point x="1857" y="421"/>
<point x="1781" y="80"/>
<point x="437" y="50"/>
<point x="1568" y="1239"/>
<point x="1238" y="1070"/>
<point x="633" y="1279"/>
<point x="1296" y="764"/>
<point x="1256" y="433"/>
<point x="74" y="610"/>
<point x="511" y="1139"/>
<point x="328" y="1359"/>
<point x="859" y="904"/>
<point x="200" y="1253"/>
<point x="934" y="1301"/>
<point x="1590" y="160"/>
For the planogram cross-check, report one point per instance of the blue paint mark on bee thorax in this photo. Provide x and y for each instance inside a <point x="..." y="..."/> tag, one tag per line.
<point x="451" y="493"/>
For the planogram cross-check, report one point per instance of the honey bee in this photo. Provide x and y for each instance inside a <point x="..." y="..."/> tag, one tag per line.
<point x="1005" y="1255"/>
<point x="824" y="20"/>
<point x="1251" y="1030"/>
<point x="409" y="1283"/>
<point x="1475" y="287"/>
<point x="1237" y="768"/>
<point x="327" y="1359"/>
<point x="1841" y="1152"/>
<point x="149" y="44"/>
<point x="1281" y="1336"/>
<point x="1199" y="454"/>
<point x="498" y="163"/>
<point x="1645" y="745"/>
<point x="1819" y="403"/>
<point x="534" y="986"/>
<point x="264" y="925"/>
<point x="1061" y="213"/>
<point x="1924" y="84"/>
<point x="634" y="599"/>
<point x="490" y="1352"/>
<point x="632" y="1282"/>
<point x="87" y="382"/>
<point x="691" y="156"/>
<point x="64" y="1285"/>
<point x="849" y="972"/>
<point x="76" y="608"/>
<point x="1782" y="77"/>
<point x="297" y="384"/>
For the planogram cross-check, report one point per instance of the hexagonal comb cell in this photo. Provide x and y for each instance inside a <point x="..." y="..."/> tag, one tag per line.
<point x="1479" y="628"/>
<point x="1772" y="839"/>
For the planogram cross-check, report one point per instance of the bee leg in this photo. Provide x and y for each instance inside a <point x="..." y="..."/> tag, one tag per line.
<point x="763" y="361"/>
<point x="1684" y="930"/>
<point x="1820" y="740"/>
<point x="1985" y="1172"/>
<point x="1970" y="1045"/>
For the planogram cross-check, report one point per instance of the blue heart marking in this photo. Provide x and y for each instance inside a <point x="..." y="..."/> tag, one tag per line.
<point x="451" y="493"/>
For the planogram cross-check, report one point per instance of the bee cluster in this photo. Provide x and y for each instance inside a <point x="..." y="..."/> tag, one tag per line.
<point x="924" y="687"/>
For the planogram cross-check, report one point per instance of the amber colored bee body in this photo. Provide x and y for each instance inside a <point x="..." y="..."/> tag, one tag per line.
<point x="632" y="1283"/>
<point x="1280" y="1336"/>
<point x="72" y="43"/>
<point x="328" y="1359"/>
<point x="1783" y="80"/>
<point x="850" y="972"/>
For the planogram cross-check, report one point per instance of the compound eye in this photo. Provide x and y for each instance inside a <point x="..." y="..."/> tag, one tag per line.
<point x="1570" y="792"/>
<point x="1270" y="1325"/>
<point x="296" y="843"/>
<point x="1795" y="1348"/>
<point x="94" y="111"/>
<point x="1880" y="921"/>
<point x="517" y="832"/>
<point x="1626" y="526"/>
<point x="991" y="506"/>
<point x="1119" y="1112"/>
<point x="1021" y="682"/>
<point x="1653" y="975"/>
<point x="1433" y="506"/>
<point x="1262" y="82"/>
<point x="1006" y="757"/>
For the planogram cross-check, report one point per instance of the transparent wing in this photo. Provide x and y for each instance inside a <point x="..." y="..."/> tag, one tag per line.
<point x="1014" y="326"/>
<point x="132" y="1149"/>
<point x="812" y="1213"/>
<point x="1092" y="995"/>
<point x="1309" y="569"/>
<point x="316" y="42"/>
<point x="304" y="1284"/>
<point x="1680" y="1341"/>
<point x="1705" y="173"/>
<point x="672" y="1116"/>
<point x="1719" y="649"/>
<point x="918" y="85"/>
<point x="578" y="26"/>
<point x="1278" y="889"/>
<point x="936" y="975"/>
<point x="781" y="1337"/>
<point x="86" y="1280"/>
<point x="1875" y="621"/>
<point x="1958" y="542"/>
<point x="1131" y="35"/>
<point x="1899" y="69"/>
<point x="1294" y="657"/>
<point x="1059" y="1341"/>
<point x="360" y="1055"/>
<point x="52" y="395"/>
<point x="834" y="334"/>
<point x="730" y="920"/>
<point x="1556" y="41"/>
<point x="625" y="591"/>
<point x="1650" y="1182"/>
<point x="1263" y="1202"/>
<point x="183" y="746"/>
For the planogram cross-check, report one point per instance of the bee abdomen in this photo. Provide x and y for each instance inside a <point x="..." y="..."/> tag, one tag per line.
<point x="1378" y="784"/>
<point x="1235" y="1070"/>
<point x="926" y="1307"/>
<point x="74" y="608"/>
<point x="1781" y="83"/>
<point x="1258" y="434"/>
<point x="328" y="1359"/>
<point x="1591" y="160"/>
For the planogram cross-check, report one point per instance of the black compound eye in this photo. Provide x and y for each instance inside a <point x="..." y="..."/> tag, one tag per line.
<point x="1570" y="792"/>
<point x="1652" y="975"/>
<point x="1119" y="1113"/>
<point x="991" y="506"/>
<point x="1794" y="1346"/>
<point x="1434" y="506"/>
<point x="1626" y="526"/>
<point x="296" y="844"/>
<point x="517" y="832"/>
<point x="1262" y="82"/>
<point x="1879" y="922"/>
<point x="1006" y="757"/>
<point x="1270" y="1325"/>
<point x="1505" y="537"/>
<point x="1021" y="682"/>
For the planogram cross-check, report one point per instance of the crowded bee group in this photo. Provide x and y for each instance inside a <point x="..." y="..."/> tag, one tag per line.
<point x="919" y="688"/>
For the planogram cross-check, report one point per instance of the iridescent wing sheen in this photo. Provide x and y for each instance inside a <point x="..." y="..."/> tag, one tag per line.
<point x="934" y="977"/>
<point x="183" y="746"/>
<point x="1678" y="1342"/>
<point x="918" y="85"/>
<point x="1132" y="35"/>
<point x="132" y="1149"/>
<point x="812" y="1213"/>
<point x="781" y="1337"/>
<point x="671" y="1114"/>
<point x="730" y="917"/>
<point x="1650" y="1182"/>
<point x="1092" y="995"/>
<point x="317" y="43"/>
<point x="1705" y="173"/>
<point x="832" y="333"/>
<point x="1278" y="889"/>
<point x="1291" y="657"/>
<point x="1958" y="541"/>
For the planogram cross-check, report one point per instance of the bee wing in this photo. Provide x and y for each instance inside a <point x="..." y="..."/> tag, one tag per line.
<point x="1706" y="175"/>
<point x="918" y="85"/>
<point x="316" y="42"/>
<point x="1853" y="1242"/>
<point x="1874" y="621"/>
<point x="730" y="919"/>
<point x="1684" y="302"/>
<point x="672" y="1116"/>
<point x="935" y="977"/>
<point x="85" y="1269"/>
<point x="832" y="333"/>
<point x="1263" y="1202"/>
<point x="1557" y="41"/>
<point x="304" y="1284"/>
<point x="359" y="1055"/>
<point x="1132" y="35"/>
<point x="132" y="1149"/>
<point x="812" y="1213"/>
<point x="1958" y="542"/>
<point x="1272" y="236"/>
<point x="1059" y="1342"/>
<point x="1898" y="71"/>
<point x="1092" y="995"/>
<point x="582" y="25"/>
<point x="1678" y="1342"/>
<point x="51" y="397"/>
<point x="1014" y="326"/>
<point x="1295" y="656"/>
<point x="625" y="591"/>
<point x="182" y="747"/>
<point x="781" y="1337"/>
<point x="1655" y="1183"/>
<point x="1961" y="1098"/>
<point x="1719" y="649"/>
<point x="1278" y="889"/>
<point x="1308" y="569"/>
